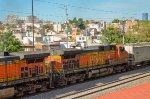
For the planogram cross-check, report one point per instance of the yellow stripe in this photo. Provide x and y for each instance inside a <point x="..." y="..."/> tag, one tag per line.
<point x="2" y="80"/>
<point x="54" y="56"/>
<point x="9" y="79"/>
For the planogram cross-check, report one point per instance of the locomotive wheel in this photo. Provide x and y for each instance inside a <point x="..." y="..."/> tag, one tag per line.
<point x="44" y="88"/>
<point x="19" y="94"/>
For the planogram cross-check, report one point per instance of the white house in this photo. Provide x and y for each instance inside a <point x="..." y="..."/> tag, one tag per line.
<point x="52" y="37"/>
<point x="80" y="38"/>
<point x="58" y="27"/>
<point x="27" y="40"/>
<point x="99" y="26"/>
<point x="92" y="31"/>
<point x="18" y="36"/>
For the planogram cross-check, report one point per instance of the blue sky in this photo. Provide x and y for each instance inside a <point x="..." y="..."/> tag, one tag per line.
<point x="53" y="10"/>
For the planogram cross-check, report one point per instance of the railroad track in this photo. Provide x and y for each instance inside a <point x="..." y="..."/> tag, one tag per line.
<point x="93" y="90"/>
<point x="48" y="90"/>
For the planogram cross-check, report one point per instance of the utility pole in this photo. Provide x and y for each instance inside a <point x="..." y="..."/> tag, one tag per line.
<point x="86" y="45"/>
<point x="66" y="10"/>
<point x="104" y="32"/>
<point x="138" y="30"/>
<point x="33" y="22"/>
<point x="123" y="30"/>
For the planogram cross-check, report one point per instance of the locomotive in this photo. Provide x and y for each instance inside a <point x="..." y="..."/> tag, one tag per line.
<point x="29" y="72"/>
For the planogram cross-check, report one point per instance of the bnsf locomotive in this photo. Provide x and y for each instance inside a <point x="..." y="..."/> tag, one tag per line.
<point x="23" y="72"/>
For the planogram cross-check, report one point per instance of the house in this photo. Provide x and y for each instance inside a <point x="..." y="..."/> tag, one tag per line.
<point x="28" y="38"/>
<point x="53" y="37"/>
<point x="129" y="26"/>
<point x="82" y="40"/>
<point x="99" y="26"/>
<point x="42" y="47"/>
<point x="19" y="36"/>
<point x="115" y="25"/>
<point x="27" y="48"/>
<point x="74" y="34"/>
<point x="58" y="27"/>
<point x="93" y="31"/>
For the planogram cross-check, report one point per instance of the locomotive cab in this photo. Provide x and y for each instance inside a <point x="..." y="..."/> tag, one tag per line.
<point x="122" y="54"/>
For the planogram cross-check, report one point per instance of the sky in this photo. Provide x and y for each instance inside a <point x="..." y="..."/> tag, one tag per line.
<point x="54" y="10"/>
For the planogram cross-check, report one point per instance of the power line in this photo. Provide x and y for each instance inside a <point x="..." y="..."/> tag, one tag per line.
<point x="54" y="16"/>
<point x="86" y="8"/>
<point x="60" y="4"/>
<point x="51" y="2"/>
<point x="27" y="13"/>
<point x="63" y="8"/>
<point x="15" y="11"/>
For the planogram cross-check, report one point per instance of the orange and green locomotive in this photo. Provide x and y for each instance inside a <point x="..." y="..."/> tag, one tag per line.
<point x="74" y="65"/>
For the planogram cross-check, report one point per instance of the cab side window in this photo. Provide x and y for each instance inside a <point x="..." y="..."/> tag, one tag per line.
<point x="121" y="49"/>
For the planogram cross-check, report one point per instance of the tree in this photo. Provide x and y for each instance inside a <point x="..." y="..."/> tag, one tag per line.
<point x="81" y="24"/>
<point x="131" y="38"/>
<point x="78" y="23"/>
<point x="9" y="43"/>
<point x="112" y="35"/>
<point x="74" y="22"/>
<point x="1" y="26"/>
<point x="48" y="27"/>
<point x="116" y="21"/>
<point x="142" y="31"/>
